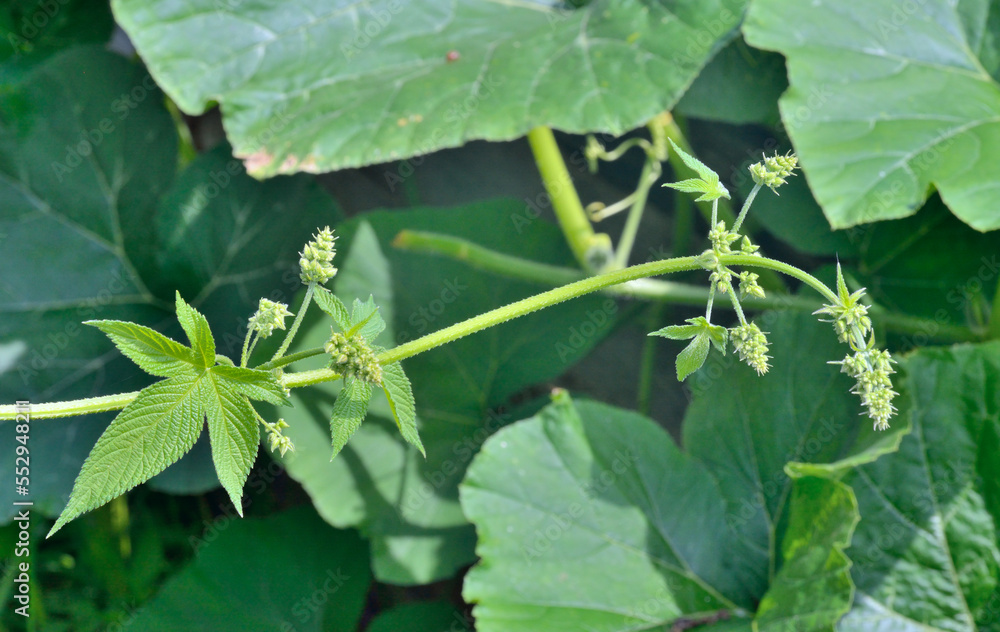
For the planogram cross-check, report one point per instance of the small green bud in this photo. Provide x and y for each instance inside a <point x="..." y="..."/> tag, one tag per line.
<point x="749" y="285"/>
<point x="315" y="259"/>
<point x="748" y="248"/>
<point x="276" y="439"/>
<point x="773" y="171"/>
<point x="270" y="315"/>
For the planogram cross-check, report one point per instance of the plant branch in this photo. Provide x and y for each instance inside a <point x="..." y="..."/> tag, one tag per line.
<point x="566" y="203"/>
<point x="489" y="319"/>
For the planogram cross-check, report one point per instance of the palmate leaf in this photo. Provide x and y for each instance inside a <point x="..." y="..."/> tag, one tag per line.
<point x="165" y="419"/>
<point x="708" y="184"/>
<point x="152" y="351"/>
<point x="153" y="431"/>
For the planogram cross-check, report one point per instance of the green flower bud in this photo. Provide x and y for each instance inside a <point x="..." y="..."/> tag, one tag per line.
<point x="315" y="259"/>
<point x="270" y="315"/>
<point x="276" y="439"/>
<point x="773" y="171"/>
<point x="352" y="357"/>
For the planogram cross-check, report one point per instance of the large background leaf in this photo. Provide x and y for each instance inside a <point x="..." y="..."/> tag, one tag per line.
<point x="288" y="571"/>
<point x="926" y="551"/>
<point x="326" y="86"/>
<point x="866" y="109"/>
<point x="591" y="516"/>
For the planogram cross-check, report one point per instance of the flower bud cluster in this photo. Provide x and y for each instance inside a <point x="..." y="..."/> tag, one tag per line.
<point x="352" y="357"/>
<point x="751" y="343"/>
<point x="773" y="171"/>
<point x="316" y="258"/>
<point x="270" y="315"/>
<point x="277" y="440"/>
<point x="870" y="367"/>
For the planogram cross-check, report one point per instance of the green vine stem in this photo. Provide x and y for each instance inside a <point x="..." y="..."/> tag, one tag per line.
<point x="566" y="203"/>
<point x="470" y="326"/>
<point x="515" y="267"/>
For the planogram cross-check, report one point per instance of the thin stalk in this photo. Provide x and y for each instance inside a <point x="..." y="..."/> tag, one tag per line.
<point x="245" y="355"/>
<point x="298" y="321"/>
<point x="711" y="300"/>
<point x="650" y="173"/>
<point x="746" y="207"/>
<point x="565" y="201"/>
<point x="289" y="359"/>
<point x="736" y="305"/>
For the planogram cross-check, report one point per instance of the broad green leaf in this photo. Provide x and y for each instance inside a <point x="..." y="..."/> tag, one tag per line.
<point x="926" y="549"/>
<point x="325" y="87"/>
<point x="254" y="384"/>
<point x="329" y="303"/>
<point x="692" y="356"/>
<point x="152" y="432"/>
<point x="700" y="325"/>
<point x="234" y="432"/>
<point x="196" y="327"/>
<point x="590" y="517"/>
<point x="930" y="265"/>
<point x="813" y="589"/>
<point x="152" y="351"/>
<point x="406" y="504"/>
<point x="740" y="85"/>
<point x="746" y="428"/>
<point x="349" y="411"/>
<point x="867" y="75"/>
<point x="399" y="393"/>
<point x="289" y="571"/>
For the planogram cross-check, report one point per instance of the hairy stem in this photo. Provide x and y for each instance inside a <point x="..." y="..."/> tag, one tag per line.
<point x="566" y="204"/>
<point x="746" y="207"/>
<point x="298" y="321"/>
<point x="473" y="325"/>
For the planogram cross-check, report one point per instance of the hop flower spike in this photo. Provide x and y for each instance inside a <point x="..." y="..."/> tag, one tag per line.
<point x="773" y="171"/>
<point x="270" y="315"/>
<point x="751" y="343"/>
<point x="276" y="439"/>
<point x="316" y="258"/>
